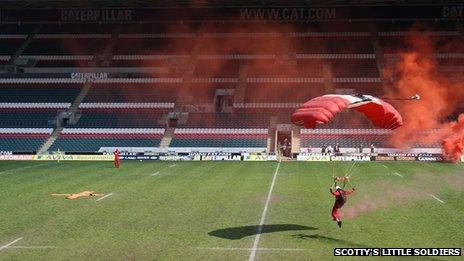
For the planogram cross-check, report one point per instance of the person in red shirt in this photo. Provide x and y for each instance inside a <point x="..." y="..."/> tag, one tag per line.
<point x="340" y="200"/>
<point x="117" y="161"/>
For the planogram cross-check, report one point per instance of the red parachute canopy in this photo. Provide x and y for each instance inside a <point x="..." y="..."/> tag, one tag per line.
<point x="322" y="109"/>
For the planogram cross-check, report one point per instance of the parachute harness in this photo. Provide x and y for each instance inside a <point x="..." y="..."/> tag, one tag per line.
<point x="344" y="180"/>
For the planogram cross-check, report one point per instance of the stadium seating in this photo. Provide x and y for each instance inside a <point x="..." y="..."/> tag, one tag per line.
<point x="215" y="68"/>
<point x="38" y="92"/>
<point x="121" y="118"/>
<point x="280" y="92"/>
<point x="27" y="118"/>
<point x="355" y="68"/>
<point x="352" y="138"/>
<point x="228" y="120"/>
<point x="9" y="46"/>
<point x="64" y="46"/>
<point x="115" y="92"/>
<point x="152" y="46"/>
<point x="217" y="138"/>
<point x="22" y="139"/>
<point x="82" y="140"/>
<point x="277" y="81"/>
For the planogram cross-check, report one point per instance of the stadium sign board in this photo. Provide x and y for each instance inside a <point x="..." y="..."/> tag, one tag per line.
<point x="304" y="14"/>
<point x="271" y="157"/>
<point x="221" y="157"/>
<point x="73" y="157"/>
<point x="254" y="157"/>
<point x="215" y="156"/>
<point x="318" y="157"/>
<point x="16" y="157"/>
<point x="350" y="158"/>
<point x="312" y="157"/>
<point x="175" y="158"/>
<point x="405" y="158"/>
<point x="138" y="157"/>
<point x="430" y="157"/>
<point x="383" y="158"/>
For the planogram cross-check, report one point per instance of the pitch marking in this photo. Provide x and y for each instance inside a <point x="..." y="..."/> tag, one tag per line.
<point x="439" y="200"/>
<point x="263" y="216"/>
<point x="11" y="243"/>
<point x="104" y="197"/>
<point x="398" y="174"/>
<point x="156" y="173"/>
<point x="384" y="166"/>
<point x="27" y="167"/>
<point x="32" y="247"/>
<point x="173" y="165"/>
<point x="248" y="249"/>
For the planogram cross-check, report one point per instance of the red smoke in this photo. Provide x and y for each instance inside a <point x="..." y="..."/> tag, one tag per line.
<point x="425" y="120"/>
<point x="386" y="194"/>
<point x="453" y="146"/>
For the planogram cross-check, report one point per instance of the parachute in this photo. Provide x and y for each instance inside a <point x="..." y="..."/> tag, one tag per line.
<point x="322" y="109"/>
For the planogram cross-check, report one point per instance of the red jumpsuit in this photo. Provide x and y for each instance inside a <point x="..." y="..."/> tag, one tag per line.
<point x="339" y="202"/>
<point x="117" y="161"/>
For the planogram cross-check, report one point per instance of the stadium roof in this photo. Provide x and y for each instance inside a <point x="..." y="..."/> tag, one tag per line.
<point x="211" y="3"/>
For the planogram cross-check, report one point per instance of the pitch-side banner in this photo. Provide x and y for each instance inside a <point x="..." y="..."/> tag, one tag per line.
<point x="61" y="157"/>
<point x="17" y="157"/>
<point x="254" y="157"/>
<point x="139" y="157"/>
<point x="313" y="157"/>
<point x="302" y="13"/>
<point x="350" y="158"/>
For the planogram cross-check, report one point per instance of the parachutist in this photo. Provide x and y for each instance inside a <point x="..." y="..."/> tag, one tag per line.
<point x="340" y="200"/>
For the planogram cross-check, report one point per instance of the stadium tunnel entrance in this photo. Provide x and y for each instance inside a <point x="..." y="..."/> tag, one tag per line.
<point x="284" y="140"/>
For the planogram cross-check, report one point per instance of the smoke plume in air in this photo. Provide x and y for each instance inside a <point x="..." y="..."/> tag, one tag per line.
<point x="425" y="121"/>
<point x="385" y="194"/>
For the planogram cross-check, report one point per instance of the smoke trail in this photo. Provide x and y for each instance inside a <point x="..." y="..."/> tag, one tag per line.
<point x="453" y="144"/>
<point x="385" y="195"/>
<point x="425" y="121"/>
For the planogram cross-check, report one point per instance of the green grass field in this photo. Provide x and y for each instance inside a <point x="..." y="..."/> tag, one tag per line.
<point x="212" y="210"/>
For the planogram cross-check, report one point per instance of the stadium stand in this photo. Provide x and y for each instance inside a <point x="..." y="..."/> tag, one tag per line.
<point x="220" y="138"/>
<point x="121" y="118"/>
<point x="27" y="117"/>
<point x="165" y="67"/>
<point x="23" y="139"/>
<point x="75" y="46"/>
<point x="38" y="93"/>
<point x="92" y="140"/>
<point x="124" y="93"/>
<point x="352" y="138"/>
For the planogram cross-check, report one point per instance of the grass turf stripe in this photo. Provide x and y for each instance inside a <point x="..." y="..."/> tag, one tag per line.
<point x="263" y="216"/>
<point x="9" y="244"/>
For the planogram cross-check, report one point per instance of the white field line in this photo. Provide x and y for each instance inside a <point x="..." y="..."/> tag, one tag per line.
<point x="439" y="200"/>
<point x="27" y="167"/>
<point x="162" y="169"/>
<point x="32" y="247"/>
<point x="11" y="243"/>
<point x="263" y="216"/>
<point x="396" y="173"/>
<point x="105" y="196"/>
<point x="248" y="249"/>
<point x="433" y="196"/>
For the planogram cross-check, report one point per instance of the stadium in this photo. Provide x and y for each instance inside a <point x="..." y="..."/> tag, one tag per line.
<point x="231" y="130"/>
